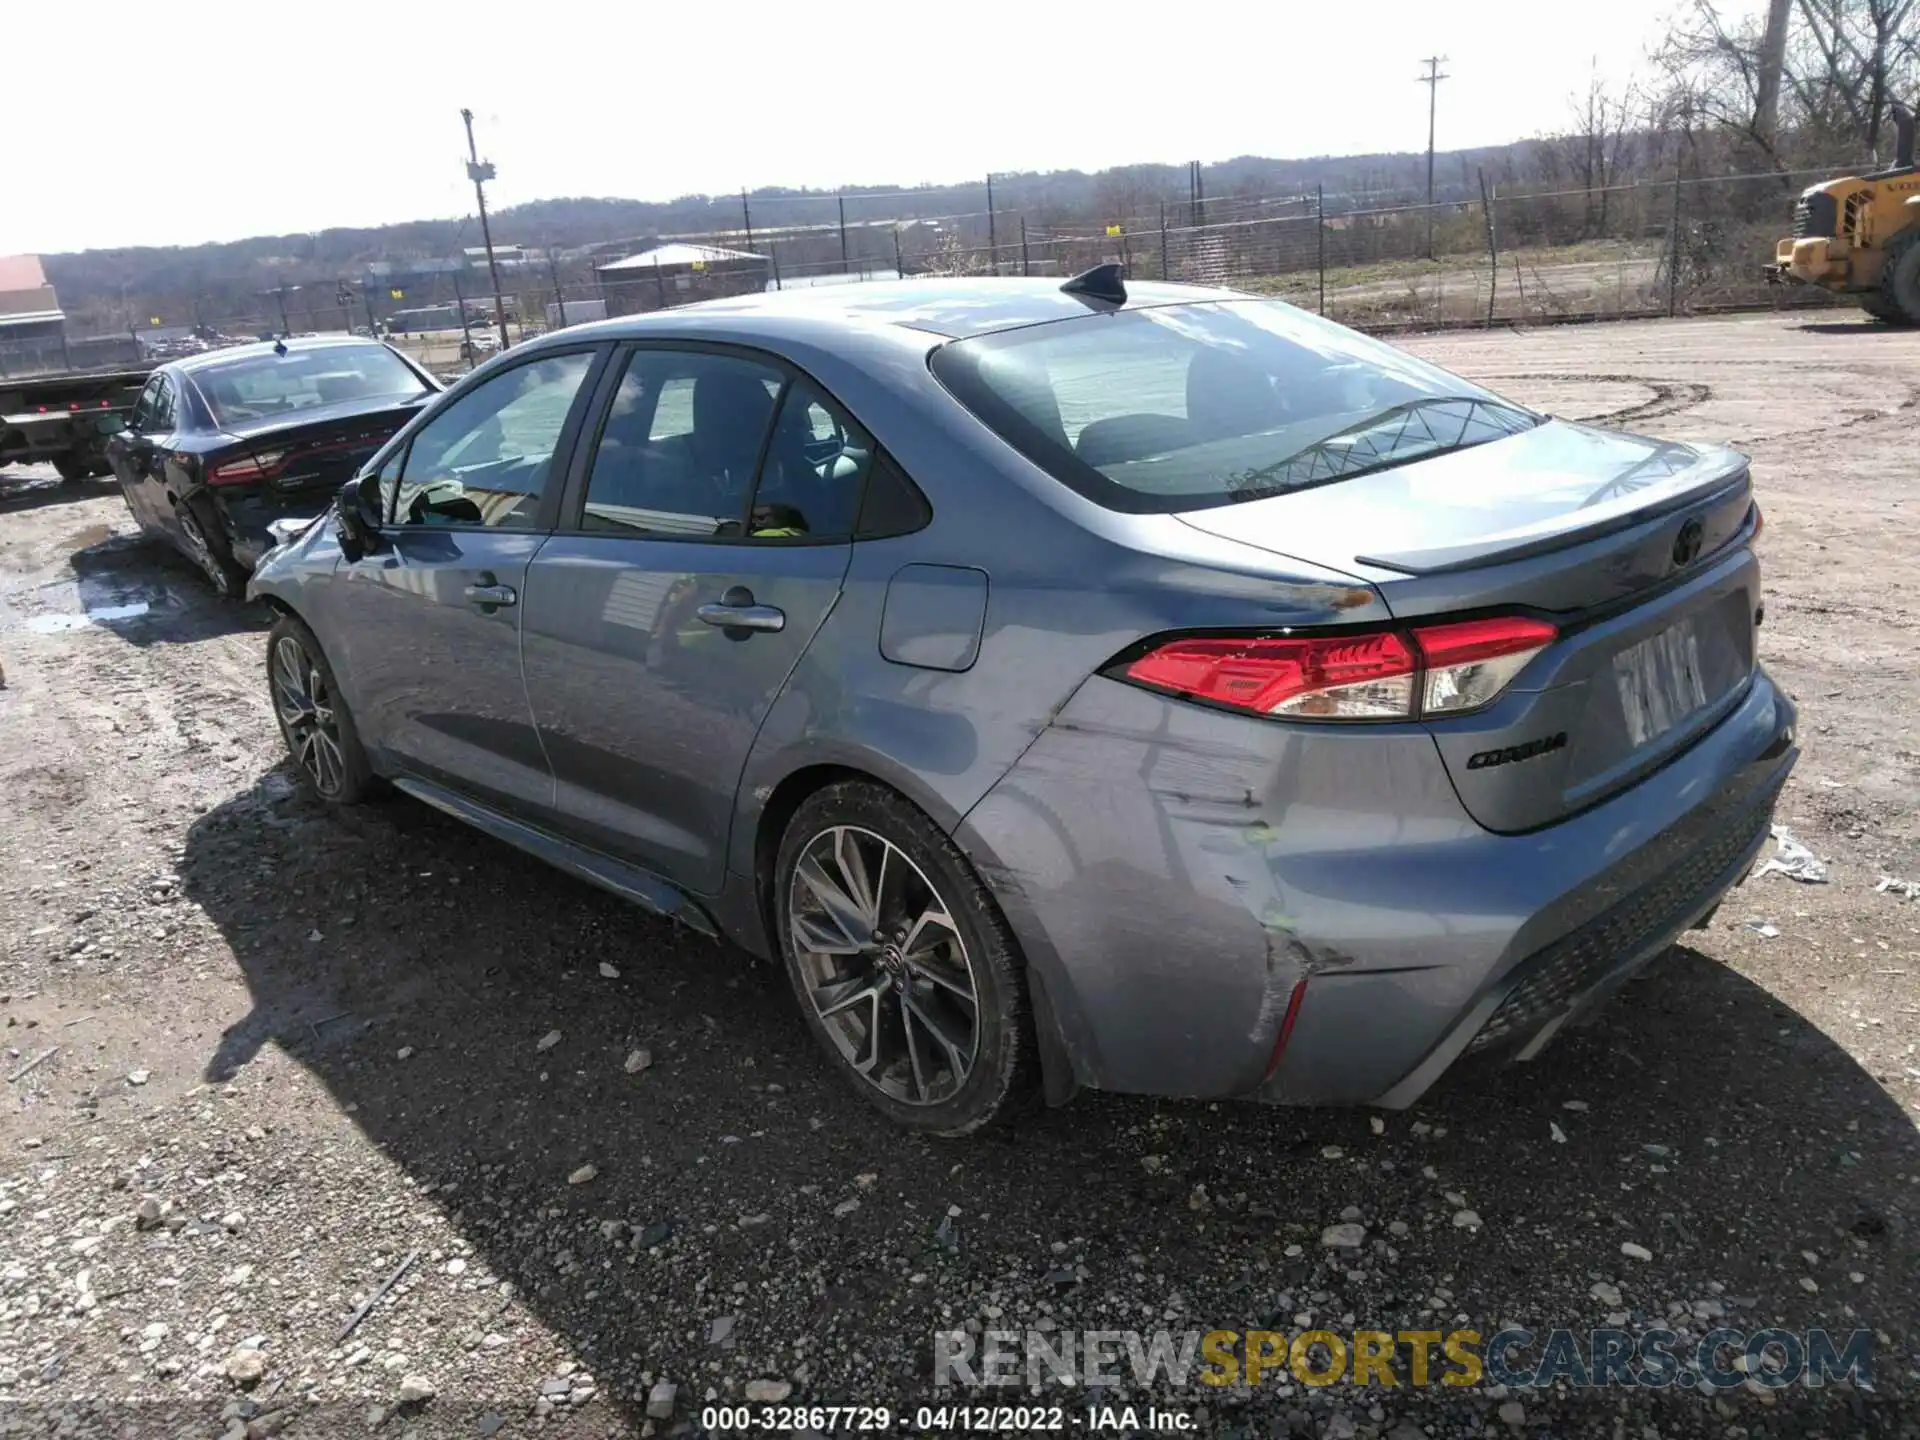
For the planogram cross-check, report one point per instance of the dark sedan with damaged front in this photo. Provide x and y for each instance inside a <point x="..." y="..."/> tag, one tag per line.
<point x="221" y="445"/>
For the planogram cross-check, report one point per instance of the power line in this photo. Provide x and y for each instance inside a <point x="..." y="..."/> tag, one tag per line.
<point x="1431" y="80"/>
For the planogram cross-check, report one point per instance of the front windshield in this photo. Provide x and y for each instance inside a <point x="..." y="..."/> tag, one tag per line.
<point x="1181" y="407"/>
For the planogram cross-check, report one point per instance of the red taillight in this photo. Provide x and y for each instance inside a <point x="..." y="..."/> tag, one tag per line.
<point x="246" y="469"/>
<point x="1365" y="676"/>
<point x="1469" y="663"/>
<point x="1443" y="669"/>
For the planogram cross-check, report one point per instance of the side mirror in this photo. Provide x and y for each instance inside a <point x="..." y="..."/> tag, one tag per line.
<point x="357" y="517"/>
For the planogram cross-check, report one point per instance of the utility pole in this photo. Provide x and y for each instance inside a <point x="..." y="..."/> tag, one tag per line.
<point x="1432" y="80"/>
<point x="480" y="171"/>
<point x="845" y="264"/>
<point x="746" y="218"/>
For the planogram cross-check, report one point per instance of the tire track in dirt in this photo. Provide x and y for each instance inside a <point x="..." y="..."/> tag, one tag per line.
<point x="1670" y="397"/>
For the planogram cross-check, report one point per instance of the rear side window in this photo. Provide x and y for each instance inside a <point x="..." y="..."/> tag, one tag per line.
<point x="1184" y="407"/>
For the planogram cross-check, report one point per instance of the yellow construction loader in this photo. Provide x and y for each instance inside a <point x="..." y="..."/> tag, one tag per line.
<point x="1860" y="235"/>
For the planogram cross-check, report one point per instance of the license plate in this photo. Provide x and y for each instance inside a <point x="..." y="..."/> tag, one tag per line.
<point x="1661" y="681"/>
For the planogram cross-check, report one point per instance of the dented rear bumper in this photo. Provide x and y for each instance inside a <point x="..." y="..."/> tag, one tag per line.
<point x="1173" y="873"/>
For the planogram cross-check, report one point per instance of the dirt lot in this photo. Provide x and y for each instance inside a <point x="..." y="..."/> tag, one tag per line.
<point x="318" y="1044"/>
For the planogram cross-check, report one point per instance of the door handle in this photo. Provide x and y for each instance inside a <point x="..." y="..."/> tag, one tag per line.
<point x="488" y="598"/>
<point x="736" y="610"/>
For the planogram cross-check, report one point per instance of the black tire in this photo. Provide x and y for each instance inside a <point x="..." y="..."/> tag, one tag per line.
<point x="1003" y="1068"/>
<point x="1900" y="285"/>
<point x="206" y="545"/>
<point x="1879" y="307"/>
<point x="315" y="717"/>
<point x="71" y="468"/>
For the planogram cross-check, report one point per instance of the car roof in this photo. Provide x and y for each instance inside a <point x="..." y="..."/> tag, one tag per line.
<point x="267" y="347"/>
<point x="953" y="308"/>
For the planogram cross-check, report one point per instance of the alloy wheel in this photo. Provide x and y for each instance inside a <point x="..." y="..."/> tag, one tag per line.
<point x="884" y="965"/>
<point x="202" y="549"/>
<point x="305" y="707"/>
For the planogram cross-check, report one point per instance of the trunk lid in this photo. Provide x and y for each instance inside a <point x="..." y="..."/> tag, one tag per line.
<point x="1637" y="549"/>
<point x="324" y="447"/>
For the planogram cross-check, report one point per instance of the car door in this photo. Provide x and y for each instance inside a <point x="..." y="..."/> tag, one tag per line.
<point x="137" y="456"/>
<point x="428" y="621"/>
<point x="707" y="531"/>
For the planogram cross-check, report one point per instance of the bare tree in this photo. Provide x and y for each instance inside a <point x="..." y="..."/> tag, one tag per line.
<point x="1842" y="62"/>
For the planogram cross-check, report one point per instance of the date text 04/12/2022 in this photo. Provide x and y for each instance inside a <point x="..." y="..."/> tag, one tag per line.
<point x="945" y="1419"/>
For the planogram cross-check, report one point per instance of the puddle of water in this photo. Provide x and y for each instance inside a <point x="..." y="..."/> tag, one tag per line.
<point x="103" y="615"/>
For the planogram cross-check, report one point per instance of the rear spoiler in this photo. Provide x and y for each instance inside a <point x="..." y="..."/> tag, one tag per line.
<point x="1624" y="503"/>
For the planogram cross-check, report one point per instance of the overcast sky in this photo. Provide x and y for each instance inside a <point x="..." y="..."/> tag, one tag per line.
<point x="210" y="120"/>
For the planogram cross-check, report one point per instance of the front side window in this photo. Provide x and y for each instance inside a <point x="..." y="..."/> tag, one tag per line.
<point x="487" y="458"/>
<point x="163" y="407"/>
<point x="147" y="407"/>
<point x="681" y="444"/>
<point x="256" y="387"/>
<point x="1181" y="407"/>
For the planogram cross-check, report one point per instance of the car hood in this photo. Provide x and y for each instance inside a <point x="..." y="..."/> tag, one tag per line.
<point x="1542" y="489"/>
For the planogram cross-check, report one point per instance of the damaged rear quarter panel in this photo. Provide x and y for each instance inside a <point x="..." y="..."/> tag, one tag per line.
<point x="1187" y="867"/>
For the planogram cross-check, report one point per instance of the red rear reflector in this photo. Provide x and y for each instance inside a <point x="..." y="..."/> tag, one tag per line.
<point x="1286" y="1029"/>
<point x="1356" y="676"/>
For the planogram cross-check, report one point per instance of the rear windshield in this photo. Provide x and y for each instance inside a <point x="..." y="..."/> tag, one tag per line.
<point x="1182" y="407"/>
<point x="264" y="385"/>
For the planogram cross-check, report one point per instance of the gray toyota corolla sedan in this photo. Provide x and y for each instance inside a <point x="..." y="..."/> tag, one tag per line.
<point x="1098" y="684"/>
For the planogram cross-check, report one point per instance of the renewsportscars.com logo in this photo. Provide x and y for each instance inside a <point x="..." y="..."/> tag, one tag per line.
<point x="1515" y="1357"/>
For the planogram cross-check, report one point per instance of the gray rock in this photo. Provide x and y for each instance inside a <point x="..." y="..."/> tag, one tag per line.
<point x="1608" y="1295"/>
<point x="415" y="1390"/>
<point x="660" y="1400"/>
<point x="768" y="1392"/>
<point x="246" y="1367"/>
<point x="1512" y="1413"/>
<point x="721" y="1330"/>
<point x="1345" y="1236"/>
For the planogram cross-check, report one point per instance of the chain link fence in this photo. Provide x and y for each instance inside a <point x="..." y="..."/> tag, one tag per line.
<point x="1518" y="255"/>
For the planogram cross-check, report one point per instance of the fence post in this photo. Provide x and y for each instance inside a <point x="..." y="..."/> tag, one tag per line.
<point x="1493" y="246"/>
<point x="559" y="295"/>
<point x="1026" y="261"/>
<point x="993" y="235"/>
<point x="1320" y="234"/>
<point x="466" y="334"/>
<point x="1673" y="244"/>
<point x="1166" y="272"/>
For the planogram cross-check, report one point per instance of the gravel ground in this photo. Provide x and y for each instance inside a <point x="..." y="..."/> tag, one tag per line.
<point x="293" y="1055"/>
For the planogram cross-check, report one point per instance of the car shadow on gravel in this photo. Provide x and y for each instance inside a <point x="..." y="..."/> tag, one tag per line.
<point x="147" y="593"/>
<point x="414" y="966"/>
